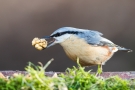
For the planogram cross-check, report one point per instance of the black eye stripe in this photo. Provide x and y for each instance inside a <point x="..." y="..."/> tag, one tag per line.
<point x="62" y="33"/>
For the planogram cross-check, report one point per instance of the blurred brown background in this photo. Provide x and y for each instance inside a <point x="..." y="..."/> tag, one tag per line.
<point x="21" y="21"/>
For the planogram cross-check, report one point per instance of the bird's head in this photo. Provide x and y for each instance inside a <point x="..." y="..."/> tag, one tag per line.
<point x="60" y="35"/>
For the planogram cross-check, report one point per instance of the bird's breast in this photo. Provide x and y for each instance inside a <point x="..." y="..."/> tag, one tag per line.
<point x="88" y="54"/>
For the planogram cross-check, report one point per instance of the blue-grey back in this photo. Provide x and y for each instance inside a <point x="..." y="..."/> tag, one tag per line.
<point x="91" y="36"/>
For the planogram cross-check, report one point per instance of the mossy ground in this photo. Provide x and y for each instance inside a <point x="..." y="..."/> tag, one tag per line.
<point x="76" y="78"/>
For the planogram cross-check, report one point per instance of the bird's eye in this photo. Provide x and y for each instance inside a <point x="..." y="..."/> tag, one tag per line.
<point x="58" y="34"/>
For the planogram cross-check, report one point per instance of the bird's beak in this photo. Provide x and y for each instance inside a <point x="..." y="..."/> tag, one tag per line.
<point x="50" y="40"/>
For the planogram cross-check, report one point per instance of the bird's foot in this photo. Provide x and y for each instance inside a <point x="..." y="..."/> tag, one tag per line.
<point x="99" y="70"/>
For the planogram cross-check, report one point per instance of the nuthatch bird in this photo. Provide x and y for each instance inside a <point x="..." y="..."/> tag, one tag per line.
<point x="87" y="45"/>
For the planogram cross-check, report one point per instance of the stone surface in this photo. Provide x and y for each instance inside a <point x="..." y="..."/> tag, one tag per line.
<point x="124" y="75"/>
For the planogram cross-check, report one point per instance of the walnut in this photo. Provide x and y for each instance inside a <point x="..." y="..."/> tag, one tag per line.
<point x="39" y="44"/>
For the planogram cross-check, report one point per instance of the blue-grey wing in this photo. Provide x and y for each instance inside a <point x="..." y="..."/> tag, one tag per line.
<point x="95" y="38"/>
<point x="91" y="37"/>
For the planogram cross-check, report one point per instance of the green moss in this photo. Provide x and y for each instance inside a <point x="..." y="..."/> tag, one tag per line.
<point x="76" y="78"/>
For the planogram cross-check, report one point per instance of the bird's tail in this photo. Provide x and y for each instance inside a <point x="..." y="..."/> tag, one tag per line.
<point x="124" y="49"/>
